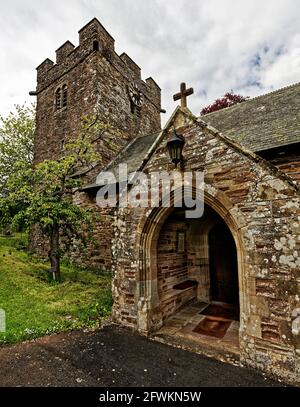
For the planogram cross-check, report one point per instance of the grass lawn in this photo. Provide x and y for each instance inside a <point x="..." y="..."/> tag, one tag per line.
<point x="35" y="307"/>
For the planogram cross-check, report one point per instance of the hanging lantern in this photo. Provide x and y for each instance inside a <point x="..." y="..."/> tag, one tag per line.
<point x="175" y="147"/>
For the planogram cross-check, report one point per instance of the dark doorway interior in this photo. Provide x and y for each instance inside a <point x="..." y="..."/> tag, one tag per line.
<point x="223" y="265"/>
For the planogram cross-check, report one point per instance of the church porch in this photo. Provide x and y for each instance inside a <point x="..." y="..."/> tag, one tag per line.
<point x="197" y="264"/>
<point x="197" y="281"/>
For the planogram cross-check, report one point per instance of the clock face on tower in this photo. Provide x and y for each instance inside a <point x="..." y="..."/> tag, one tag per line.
<point x="135" y="94"/>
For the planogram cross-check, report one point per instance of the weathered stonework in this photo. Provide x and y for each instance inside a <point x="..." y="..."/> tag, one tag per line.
<point x="260" y="205"/>
<point x="97" y="80"/>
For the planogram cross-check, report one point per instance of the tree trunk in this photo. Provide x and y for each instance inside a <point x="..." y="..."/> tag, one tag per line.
<point x="54" y="253"/>
<point x="7" y="230"/>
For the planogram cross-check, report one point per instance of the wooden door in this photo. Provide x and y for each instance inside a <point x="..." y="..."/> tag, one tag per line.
<point x="223" y="265"/>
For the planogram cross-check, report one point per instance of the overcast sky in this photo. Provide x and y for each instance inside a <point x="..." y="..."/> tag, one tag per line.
<point x="250" y="47"/>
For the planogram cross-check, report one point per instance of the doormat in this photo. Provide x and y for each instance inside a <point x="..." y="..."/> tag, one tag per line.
<point x="185" y="284"/>
<point x="212" y="327"/>
<point x="221" y="311"/>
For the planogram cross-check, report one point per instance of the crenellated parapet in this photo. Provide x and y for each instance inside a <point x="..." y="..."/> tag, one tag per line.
<point x="94" y="39"/>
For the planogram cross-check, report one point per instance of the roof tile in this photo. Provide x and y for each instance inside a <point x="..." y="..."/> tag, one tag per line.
<point x="264" y="122"/>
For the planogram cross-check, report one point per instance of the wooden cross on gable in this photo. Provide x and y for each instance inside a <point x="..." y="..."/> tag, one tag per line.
<point x="183" y="94"/>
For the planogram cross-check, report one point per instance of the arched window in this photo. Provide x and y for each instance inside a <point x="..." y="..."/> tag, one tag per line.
<point x="61" y="97"/>
<point x="64" y="96"/>
<point x="58" y="99"/>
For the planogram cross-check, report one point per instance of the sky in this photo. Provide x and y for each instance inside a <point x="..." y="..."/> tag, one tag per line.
<point x="215" y="46"/>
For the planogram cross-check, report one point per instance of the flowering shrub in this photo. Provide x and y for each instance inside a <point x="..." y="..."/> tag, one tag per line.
<point x="229" y="99"/>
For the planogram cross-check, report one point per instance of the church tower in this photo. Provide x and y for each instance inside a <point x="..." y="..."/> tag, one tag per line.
<point x="87" y="80"/>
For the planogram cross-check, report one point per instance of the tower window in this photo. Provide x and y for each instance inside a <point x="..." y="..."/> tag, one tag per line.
<point x="95" y="45"/>
<point x="58" y="98"/>
<point x="61" y="97"/>
<point x="64" y="96"/>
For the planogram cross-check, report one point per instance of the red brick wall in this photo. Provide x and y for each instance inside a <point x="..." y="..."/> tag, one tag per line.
<point x="171" y="265"/>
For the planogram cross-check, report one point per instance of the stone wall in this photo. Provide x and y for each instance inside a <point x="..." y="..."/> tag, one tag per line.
<point x="97" y="255"/>
<point x="261" y="207"/>
<point x="291" y="168"/>
<point x="172" y="266"/>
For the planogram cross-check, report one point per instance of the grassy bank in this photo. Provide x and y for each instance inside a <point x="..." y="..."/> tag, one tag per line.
<point x="34" y="306"/>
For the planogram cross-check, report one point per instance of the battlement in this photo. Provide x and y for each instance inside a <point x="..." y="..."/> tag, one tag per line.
<point x="93" y="39"/>
<point x="153" y="88"/>
<point x="63" y="51"/>
<point x="43" y="68"/>
<point x="131" y="64"/>
<point x="95" y="31"/>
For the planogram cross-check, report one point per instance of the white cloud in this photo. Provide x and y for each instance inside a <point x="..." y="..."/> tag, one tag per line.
<point x="249" y="47"/>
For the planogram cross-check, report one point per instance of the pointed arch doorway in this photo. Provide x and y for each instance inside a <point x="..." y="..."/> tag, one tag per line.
<point x="193" y="268"/>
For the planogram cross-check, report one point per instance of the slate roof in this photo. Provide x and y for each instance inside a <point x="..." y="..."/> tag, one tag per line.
<point x="133" y="155"/>
<point x="264" y="122"/>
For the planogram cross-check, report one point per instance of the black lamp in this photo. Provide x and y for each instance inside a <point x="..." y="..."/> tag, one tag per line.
<point x="175" y="147"/>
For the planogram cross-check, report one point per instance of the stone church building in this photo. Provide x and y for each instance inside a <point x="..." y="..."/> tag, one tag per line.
<point x="226" y="284"/>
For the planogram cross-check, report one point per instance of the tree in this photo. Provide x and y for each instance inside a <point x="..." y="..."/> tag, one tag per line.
<point x="43" y="195"/>
<point x="16" y="146"/>
<point x="16" y="142"/>
<point x="229" y="99"/>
